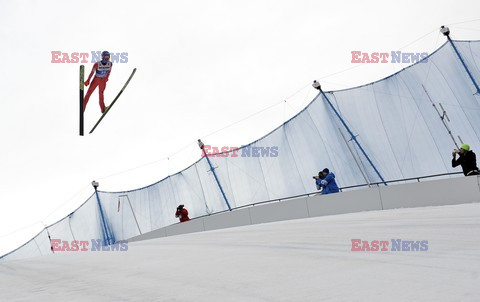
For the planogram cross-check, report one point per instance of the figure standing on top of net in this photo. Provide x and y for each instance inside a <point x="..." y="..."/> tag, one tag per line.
<point x="102" y="71"/>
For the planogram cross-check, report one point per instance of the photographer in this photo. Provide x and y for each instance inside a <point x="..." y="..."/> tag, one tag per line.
<point x="326" y="181"/>
<point x="182" y="213"/>
<point x="318" y="180"/>
<point x="466" y="159"/>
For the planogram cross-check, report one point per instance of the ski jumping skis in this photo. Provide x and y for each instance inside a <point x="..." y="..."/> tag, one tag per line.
<point x="114" y="100"/>
<point x="82" y="87"/>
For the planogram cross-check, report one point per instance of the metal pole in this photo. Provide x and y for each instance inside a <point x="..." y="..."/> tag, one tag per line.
<point x="134" y="216"/>
<point x="356" y="160"/>
<point x="49" y="238"/>
<point x="69" y="220"/>
<point x="218" y="183"/>
<point x="107" y="238"/>
<point x="352" y="136"/>
<point x="464" y="65"/>
<point x="441" y="115"/>
<point x="201" y="145"/>
<point x="203" y="192"/>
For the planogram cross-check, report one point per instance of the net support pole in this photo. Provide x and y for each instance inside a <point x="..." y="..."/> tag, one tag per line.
<point x="354" y="158"/>
<point x="464" y="65"/>
<point x="107" y="238"/>
<point x="49" y="239"/>
<point x="204" y="154"/>
<point x="442" y="115"/>
<point x="133" y="212"/>
<point x="352" y="136"/>
<point x="218" y="183"/>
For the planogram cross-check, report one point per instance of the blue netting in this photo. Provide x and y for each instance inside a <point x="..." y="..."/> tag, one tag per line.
<point x="392" y="119"/>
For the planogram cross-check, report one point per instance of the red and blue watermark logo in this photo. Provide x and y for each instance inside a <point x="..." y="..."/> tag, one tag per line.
<point x="94" y="245"/>
<point x="244" y="151"/>
<point x="85" y="57"/>
<point x="393" y="245"/>
<point x="389" y="57"/>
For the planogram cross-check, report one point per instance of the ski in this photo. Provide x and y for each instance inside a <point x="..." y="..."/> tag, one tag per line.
<point x="82" y="87"/>
<point x="114" y="100"/>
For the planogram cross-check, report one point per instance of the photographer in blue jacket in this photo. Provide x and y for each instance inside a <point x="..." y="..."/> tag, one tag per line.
<point x="326" y="182"/>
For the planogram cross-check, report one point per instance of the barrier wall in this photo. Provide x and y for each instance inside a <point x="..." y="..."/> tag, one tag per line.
<point x="284" y="210"/>
<point x="430" y="193"/>
<point x="346" y="202"/>
<point x="235" y="218"/>
<point x="191" y="226"/>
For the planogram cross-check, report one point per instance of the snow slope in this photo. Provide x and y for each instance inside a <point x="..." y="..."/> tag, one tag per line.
<point x="300" y="260"/>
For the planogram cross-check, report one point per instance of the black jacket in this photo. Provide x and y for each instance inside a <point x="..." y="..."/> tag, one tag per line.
<point x="467" y="160"/>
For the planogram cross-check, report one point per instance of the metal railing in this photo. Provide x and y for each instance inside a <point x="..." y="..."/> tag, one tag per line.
<point x="342" y="189"/>
<point x="418" y="179"/>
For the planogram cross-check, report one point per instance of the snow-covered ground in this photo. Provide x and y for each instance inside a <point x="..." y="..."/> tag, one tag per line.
<point x="300" y="260"/>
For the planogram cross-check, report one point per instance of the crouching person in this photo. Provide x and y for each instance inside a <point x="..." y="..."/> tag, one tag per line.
<point x="326" y="180"/>
<point x="182" y="213"/>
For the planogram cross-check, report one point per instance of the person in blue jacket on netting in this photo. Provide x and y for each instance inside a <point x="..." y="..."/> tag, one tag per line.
<point x="326" y="182"/>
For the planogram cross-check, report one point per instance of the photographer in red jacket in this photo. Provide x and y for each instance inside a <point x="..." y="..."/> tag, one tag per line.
<point x="182" y="213"/>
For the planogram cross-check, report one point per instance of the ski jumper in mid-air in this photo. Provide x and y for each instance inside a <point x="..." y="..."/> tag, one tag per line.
<point x="102" y="71"/>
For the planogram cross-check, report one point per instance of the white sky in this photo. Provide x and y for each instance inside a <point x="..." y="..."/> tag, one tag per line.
<point x="202" y="65"/>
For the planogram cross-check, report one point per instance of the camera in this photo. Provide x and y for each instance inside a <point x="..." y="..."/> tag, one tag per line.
<point x="95" y="184"/>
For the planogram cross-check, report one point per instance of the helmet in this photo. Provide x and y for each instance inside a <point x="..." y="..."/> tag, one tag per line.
<point x="465" y="147"/>
<point x="104" y="54"/>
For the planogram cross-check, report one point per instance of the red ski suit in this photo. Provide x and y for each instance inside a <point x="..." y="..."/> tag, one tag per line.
<point x="182" y="215"/>
<point x="99" y="80"/>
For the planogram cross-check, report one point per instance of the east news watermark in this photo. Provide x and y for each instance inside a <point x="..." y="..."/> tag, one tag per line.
<point x="84" y="57"/>
<point x="397" y="245"/>
<point x="389" y="57"/>
<point x="96" y="245"/>
<point x="244" y="151"/>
